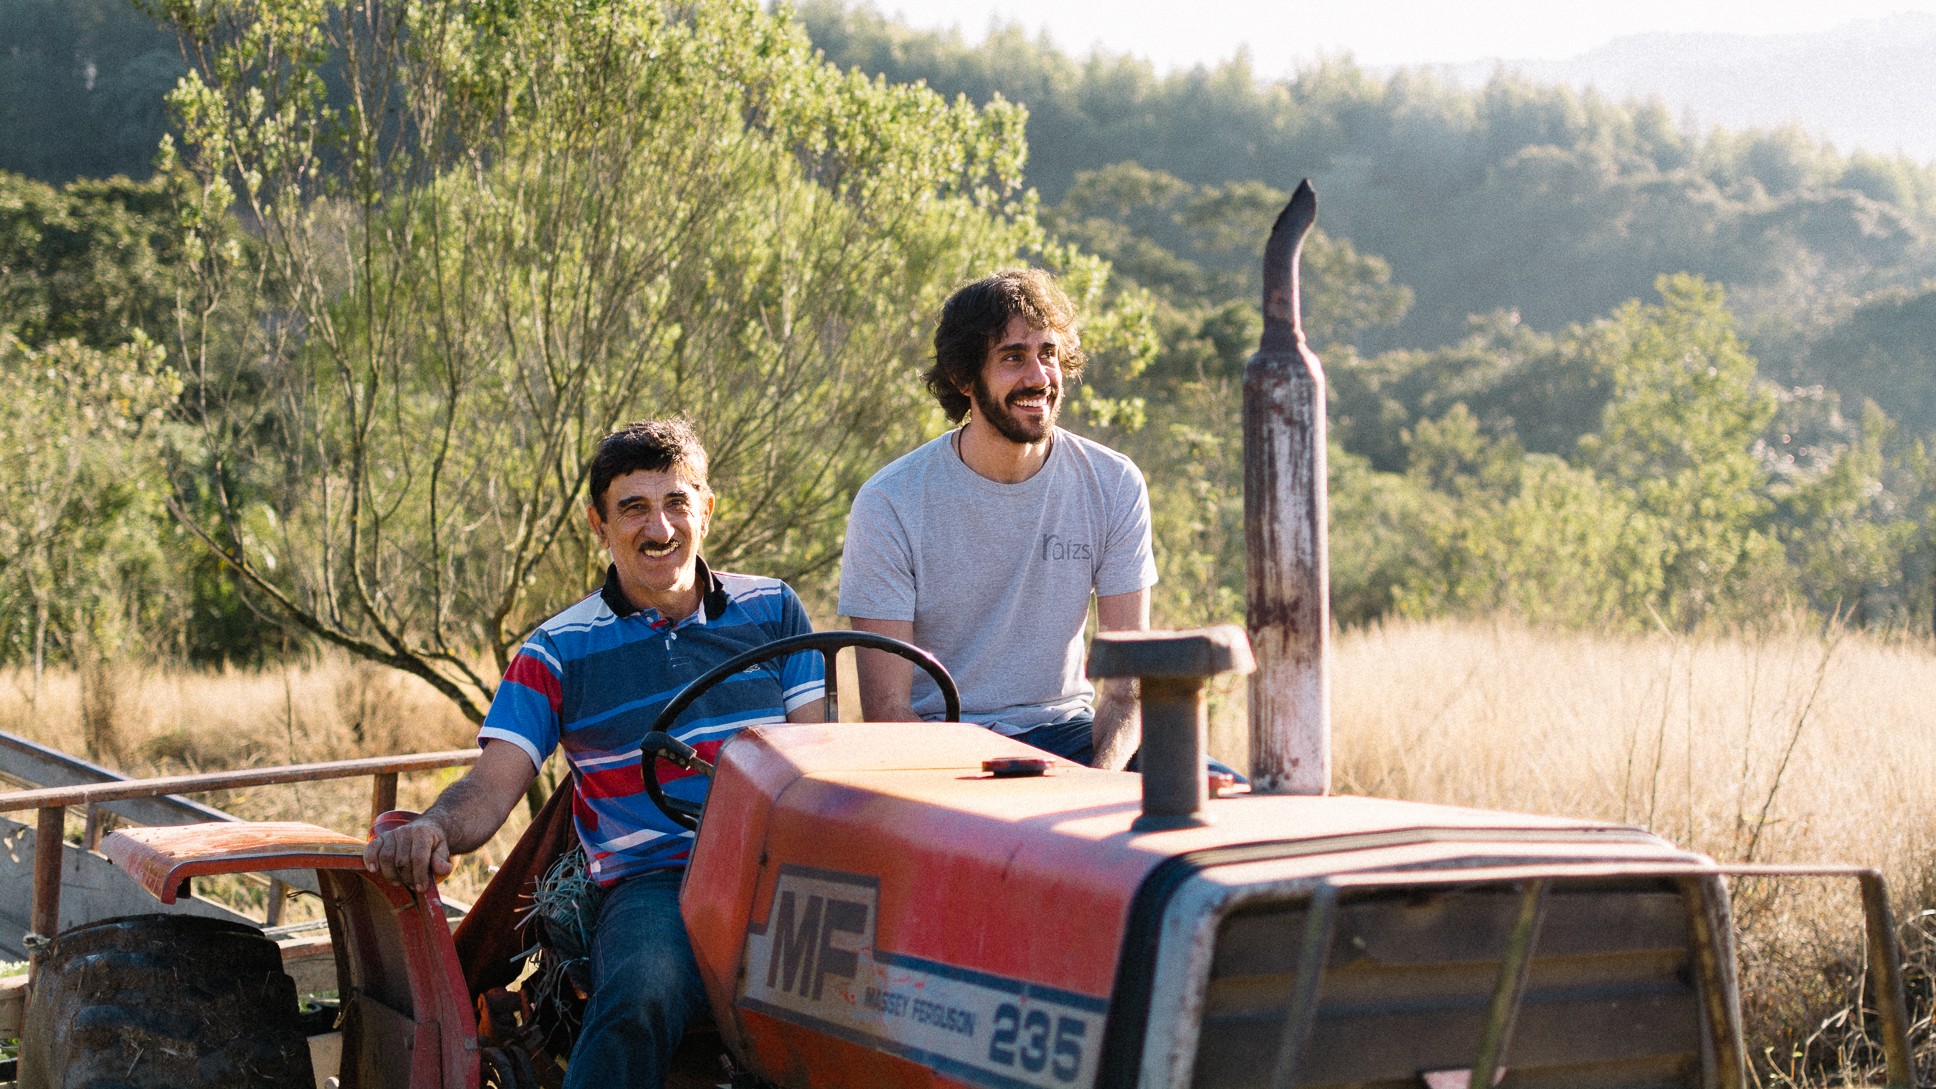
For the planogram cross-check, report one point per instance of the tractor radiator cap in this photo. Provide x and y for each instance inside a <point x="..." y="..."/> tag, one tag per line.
<point x="1203" y="652"/>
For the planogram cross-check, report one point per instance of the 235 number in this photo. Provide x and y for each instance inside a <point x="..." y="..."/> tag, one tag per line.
<point x="1024" y="1039"/>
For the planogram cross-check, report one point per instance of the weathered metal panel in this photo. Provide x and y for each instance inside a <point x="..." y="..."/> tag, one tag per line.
<point x="161" y="859"/>
<point x="1462" y="929"/>
<point x="1609" y="995"/>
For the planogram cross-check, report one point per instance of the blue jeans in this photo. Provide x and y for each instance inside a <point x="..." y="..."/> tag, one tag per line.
<point x="1073" y="739"/>
<point x="645" y="987"/>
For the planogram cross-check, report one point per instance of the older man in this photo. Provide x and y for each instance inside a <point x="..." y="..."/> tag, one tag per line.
<point x="592" y="679"/>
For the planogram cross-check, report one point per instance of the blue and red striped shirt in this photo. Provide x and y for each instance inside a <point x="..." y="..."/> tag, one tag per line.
<point x="594" y="677"/>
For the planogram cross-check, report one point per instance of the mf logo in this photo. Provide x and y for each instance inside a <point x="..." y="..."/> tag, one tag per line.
<point x="817" y="946"/>
<point x="814" y="963"/>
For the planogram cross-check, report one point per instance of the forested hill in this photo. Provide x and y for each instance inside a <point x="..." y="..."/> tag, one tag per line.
<point x="1548" y="203"/>
<point x="1553" y="204"/>
<point x="1586" y="367"/>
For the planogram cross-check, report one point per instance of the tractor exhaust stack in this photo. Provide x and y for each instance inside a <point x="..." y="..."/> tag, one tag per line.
<point x="1285" y="530"/>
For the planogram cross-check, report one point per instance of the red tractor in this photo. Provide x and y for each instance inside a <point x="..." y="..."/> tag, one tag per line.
<point x="930" y="904"/>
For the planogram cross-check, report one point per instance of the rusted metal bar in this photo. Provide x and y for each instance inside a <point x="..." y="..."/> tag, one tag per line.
<point x="48" y="849"/>
<point x="91" y="834"/>
<point x="1713" y="974"/>
<point x="1175" y="734"/>
<point x="1286" y="526"/>
<point x="830" y="671"/>
<point x="94" y="793"/>
<point x="1611" y="867"/>
<point x="42" y="766"/>
<point x="1511" y="985"/>
<point x="51" y="804"/>
<point x="278" y="895"/>
<point x="383" y="794"/>
<point x="1172" y="667"/>
<point x="1320" y="924"/>
<point x="1885" y="974"/>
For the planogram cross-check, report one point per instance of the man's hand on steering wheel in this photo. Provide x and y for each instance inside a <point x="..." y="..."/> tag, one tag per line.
<point x="658" y="744"/>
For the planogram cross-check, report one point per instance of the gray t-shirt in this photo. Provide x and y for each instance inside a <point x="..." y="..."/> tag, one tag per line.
<point x="997" y="577"/>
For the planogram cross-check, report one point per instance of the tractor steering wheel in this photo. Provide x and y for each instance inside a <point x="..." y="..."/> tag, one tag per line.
<point x="658" y="744"/>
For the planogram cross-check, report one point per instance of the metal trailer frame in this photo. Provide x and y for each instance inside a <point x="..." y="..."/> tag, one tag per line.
<point x="50" y="806"/>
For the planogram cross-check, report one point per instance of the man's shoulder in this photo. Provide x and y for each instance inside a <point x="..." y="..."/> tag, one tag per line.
<point x="742" y="588"/>
<point x="753" y="599"/>
<point x="581" y="617"/>
<point x="907" y="469"/>
<point x="1105" y="462"/>
<point x="572" y="634"/>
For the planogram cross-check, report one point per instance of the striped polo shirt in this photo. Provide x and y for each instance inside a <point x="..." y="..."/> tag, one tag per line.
<point x="594" y="677"/>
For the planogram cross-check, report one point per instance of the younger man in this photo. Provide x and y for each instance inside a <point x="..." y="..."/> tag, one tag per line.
<point x="985" y="545"/>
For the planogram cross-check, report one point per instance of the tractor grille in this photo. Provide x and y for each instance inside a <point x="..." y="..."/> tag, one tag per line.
<point x="1610" y="997"/>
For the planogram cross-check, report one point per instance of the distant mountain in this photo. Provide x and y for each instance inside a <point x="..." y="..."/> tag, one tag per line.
<point x="1864" y="86"/>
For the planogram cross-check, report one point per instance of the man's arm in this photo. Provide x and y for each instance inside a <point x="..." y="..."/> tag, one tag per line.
<point x="466" y="815"/>
<point x="1118" y="728"/>
<point x="809" y="712"/>
<point x="886" y="680"/>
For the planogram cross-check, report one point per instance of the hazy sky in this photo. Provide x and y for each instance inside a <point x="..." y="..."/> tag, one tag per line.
<point x="1285" y="33"/>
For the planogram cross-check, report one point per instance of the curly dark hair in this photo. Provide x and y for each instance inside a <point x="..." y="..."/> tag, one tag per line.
<point x="975" y="315"/>
<point x="656" y="446"/>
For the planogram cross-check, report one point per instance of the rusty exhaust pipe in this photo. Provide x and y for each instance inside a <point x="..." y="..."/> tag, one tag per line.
<point x="1285" y="530"/>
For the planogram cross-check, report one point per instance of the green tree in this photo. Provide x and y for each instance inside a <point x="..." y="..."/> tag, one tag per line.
<point x="1200" y="248"/>
<point x="92" y="260"/>
<point x="1847" y="545"/>
<point x="1677" y="439"/>
<point x="81" y="492"/>
<point x="1884" y="350"/>
<point x="1511" y="197"/>
<point x="1661" y="512"/>
<point x="1386" y="539"/>
<point x="1553" y="545"/>
<point x="91" y="271"/>
<point x="527" y="224"/>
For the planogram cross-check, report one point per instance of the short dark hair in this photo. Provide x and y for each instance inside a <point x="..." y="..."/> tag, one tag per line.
<point x="977" y="314"/>
<point x="655" y="446"/>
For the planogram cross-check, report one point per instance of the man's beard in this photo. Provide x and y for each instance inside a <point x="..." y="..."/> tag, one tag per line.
<point x="1014" y="428"/>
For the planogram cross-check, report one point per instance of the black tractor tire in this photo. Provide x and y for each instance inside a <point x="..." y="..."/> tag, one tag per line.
<point x="154" y="1001"/>
<point x="508" y="1068"/>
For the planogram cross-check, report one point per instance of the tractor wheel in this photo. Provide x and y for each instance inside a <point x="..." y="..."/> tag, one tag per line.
<point x="152" y="1001"/>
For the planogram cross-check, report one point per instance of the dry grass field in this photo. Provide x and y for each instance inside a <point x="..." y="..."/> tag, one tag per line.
<point x="1796" y="743"/>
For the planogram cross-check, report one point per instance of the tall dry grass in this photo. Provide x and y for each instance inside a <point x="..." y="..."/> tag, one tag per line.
<point x="1797" y="743"/>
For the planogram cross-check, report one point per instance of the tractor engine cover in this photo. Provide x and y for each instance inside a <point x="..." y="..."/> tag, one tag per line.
<point x="868" y="906"/>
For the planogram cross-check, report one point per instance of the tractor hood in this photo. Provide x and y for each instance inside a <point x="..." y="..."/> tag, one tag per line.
<point x="875" y="903"/>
